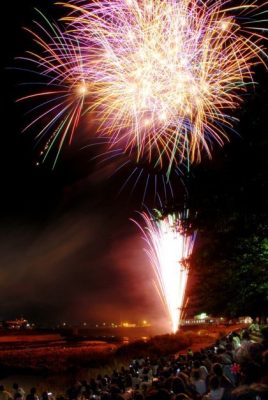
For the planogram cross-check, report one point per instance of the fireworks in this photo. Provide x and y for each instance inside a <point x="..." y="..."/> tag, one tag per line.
<point x="166" y="75"/>
<point x="161" y="77"/>
<point x="160" y="80"/>
<point x="169" y="246"/>
<point x="57" y="62"/>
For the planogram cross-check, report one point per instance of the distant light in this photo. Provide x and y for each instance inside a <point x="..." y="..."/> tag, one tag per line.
<point x="128" y="325"/>
<point x="201" y="316"/>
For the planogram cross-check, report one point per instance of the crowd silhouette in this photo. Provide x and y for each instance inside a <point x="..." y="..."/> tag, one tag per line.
<point x="235" y="368"/>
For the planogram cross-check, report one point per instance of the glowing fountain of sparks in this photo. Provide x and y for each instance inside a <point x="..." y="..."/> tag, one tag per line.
<point x="170" y="245"/>
<point x="166" y="75"/>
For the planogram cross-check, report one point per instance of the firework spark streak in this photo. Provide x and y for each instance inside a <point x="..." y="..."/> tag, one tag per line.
<point x="58" y="65"/>
<point x="169" y="246"/>
<point x="166" y="74"/>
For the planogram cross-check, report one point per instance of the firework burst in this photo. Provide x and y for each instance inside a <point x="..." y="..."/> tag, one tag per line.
<point x="57" y="67"/>
<point x="169" y="246"/>
<point x="166" y="75"/>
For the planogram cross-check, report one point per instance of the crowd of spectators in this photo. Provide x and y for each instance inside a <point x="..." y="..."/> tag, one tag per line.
<point x="236" y="368"/>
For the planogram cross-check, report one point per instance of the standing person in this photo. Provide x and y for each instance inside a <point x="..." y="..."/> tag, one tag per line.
<point x="44" y="396"/>
<point x="16" y="389"/>
<point x="4" y="394"/>
<point x="190" y="354"/>
<point x="216" y="391"/>
<point x="32" y="395"/>
<point x="236" y="342"/>
<point x="201" y="368"/>
<point x="17" y="396"/>
<point x="199" y="383"/>
<point x="224" y="380"/>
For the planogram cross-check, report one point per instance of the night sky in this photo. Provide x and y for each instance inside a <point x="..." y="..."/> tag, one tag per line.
<point x="68" y="251"/>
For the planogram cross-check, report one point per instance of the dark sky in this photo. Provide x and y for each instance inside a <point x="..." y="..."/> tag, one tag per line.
<point x="67" y="248"/>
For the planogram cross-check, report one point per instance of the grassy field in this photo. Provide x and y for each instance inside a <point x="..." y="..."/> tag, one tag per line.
<point x="29" y="338"/>
<point x="55" y="359"/>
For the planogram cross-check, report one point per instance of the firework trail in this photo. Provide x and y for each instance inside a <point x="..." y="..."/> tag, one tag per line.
<point x="169" y="246"/>
<point x="166" y="75"/>
<point x="150" y="185"/>
<point x="57" y="67"/>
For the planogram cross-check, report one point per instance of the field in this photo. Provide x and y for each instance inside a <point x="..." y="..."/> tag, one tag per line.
<point x="55" y="357"/>
<point x="6" y="339"/>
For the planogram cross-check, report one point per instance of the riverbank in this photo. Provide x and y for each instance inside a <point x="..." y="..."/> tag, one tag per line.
<point x="55" y="369"/>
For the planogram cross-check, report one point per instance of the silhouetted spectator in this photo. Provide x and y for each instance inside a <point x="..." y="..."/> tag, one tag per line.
<point x="224" y="381"/>
<point x="4" y="394"/>
<point x="18" y="390"/>
<point x="201" y="368"/>
<point x="252" y="392"/>
<point x="216" y="392"/>
<point x="18" y="396"/>
<point x="251" y="373"/>
<point x="198" y="382"/>
<point x="32" y="395"/>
